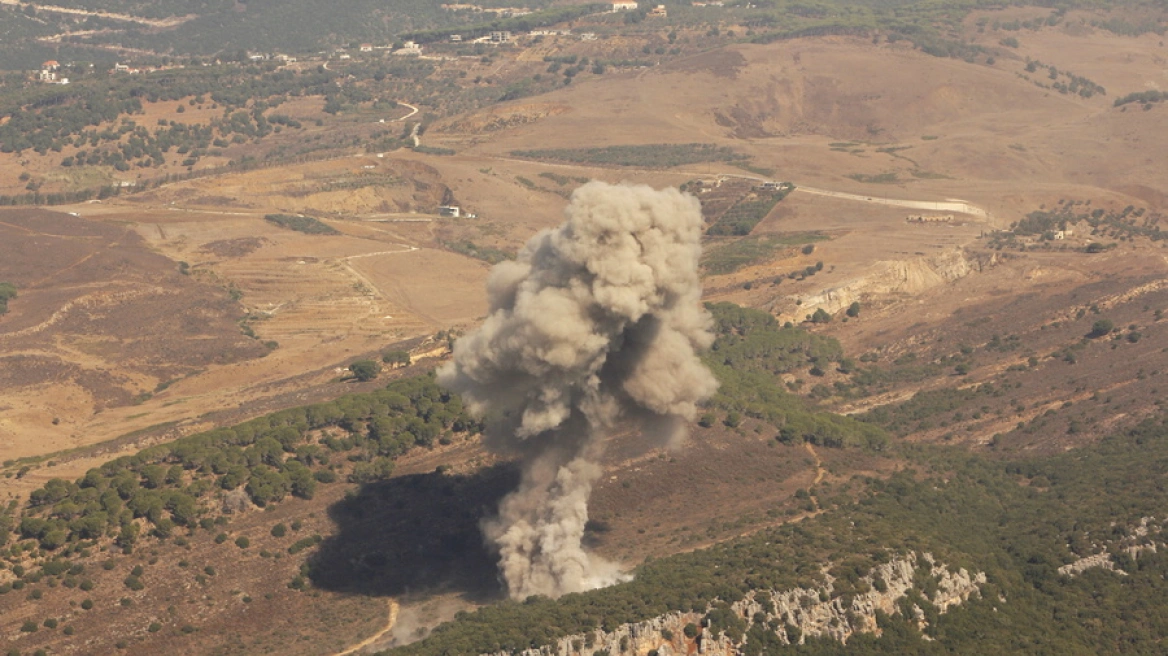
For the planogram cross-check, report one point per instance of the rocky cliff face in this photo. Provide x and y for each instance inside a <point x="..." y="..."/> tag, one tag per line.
<point x="901" y="277"/>
<point x="792" y="615"/>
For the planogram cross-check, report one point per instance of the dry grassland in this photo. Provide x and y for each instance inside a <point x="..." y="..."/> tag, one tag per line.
<point x="110" y="344"/>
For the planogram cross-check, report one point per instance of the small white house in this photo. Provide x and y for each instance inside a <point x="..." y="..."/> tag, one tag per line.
<point x="623" y="6"/>
<point x="409" y="48"/>
<point x="452" y="211"/>
<point x="49" y="73"/>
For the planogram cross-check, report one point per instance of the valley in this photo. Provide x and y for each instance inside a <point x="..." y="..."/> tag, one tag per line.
<point x="934" y="265"/>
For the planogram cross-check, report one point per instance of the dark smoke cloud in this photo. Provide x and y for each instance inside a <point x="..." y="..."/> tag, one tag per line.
<point x="598" y="320"/>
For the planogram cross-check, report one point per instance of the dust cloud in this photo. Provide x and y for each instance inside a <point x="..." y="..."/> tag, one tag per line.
<point x="598" y="320"/>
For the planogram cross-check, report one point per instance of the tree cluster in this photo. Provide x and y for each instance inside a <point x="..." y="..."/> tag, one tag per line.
<point x="268" y="458"/>
<point x="970" y="512"/>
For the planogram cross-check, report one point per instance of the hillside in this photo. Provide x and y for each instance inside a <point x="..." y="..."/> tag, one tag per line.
<point x="931" y="246"/>
<point x="104" y="31"/>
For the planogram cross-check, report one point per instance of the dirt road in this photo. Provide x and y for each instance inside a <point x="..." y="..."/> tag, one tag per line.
<point x="393" y="608"/>
<point x="952" y="205"/>
<point x="166" y="22"/>
<point x="819" y="470"/>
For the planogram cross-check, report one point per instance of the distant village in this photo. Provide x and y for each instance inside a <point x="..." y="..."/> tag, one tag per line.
<point x="51" y="70"/>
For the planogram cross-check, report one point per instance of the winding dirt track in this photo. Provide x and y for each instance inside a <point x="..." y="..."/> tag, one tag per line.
<point x="819" y="470"/>
<point x="389" y="623"/>
<point x="167" y="22"/>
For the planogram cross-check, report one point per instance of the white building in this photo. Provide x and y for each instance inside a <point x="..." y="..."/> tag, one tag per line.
<point x="409" y="48"/>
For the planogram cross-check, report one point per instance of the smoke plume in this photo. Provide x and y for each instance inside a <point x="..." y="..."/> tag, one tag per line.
<point x="597" y="320"/>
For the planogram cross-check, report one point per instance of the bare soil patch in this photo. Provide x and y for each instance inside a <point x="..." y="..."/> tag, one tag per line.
<point x="100" y="321"/>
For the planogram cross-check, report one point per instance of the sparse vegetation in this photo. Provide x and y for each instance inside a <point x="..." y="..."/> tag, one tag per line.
<point x="1143" y="97"/>
<point x="647" y="155"/>
<point x="878" y="178"/>
<point x="300" y="223"/>
<point x="734" y="255"/>
<point x="751" y="350"/>
<point x="488" y="254"/>
<point x="1045" y="224"/>
<point x="7" y="292"/>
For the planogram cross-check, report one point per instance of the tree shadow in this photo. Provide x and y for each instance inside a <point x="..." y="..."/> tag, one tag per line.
<point x="415" y="535"/>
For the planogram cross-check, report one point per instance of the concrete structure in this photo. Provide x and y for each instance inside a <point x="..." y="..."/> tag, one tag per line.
<point x="623" y="6"/>
<point x="452" y="211"/>
<point x="48" y="73"/>
<point x="409" y="48"/>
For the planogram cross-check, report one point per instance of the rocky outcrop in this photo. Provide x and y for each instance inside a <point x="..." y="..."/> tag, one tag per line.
<point x="1100" y="560"/>
<point x="793" y="615"/>
<point x="1139" y="540"/>
<point x="901" y="277"/>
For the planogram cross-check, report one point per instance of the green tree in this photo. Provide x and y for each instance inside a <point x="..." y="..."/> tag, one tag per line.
<point x="1101" y="327"/>
<point x="365" y="370"/>
<point x="396" y="358"/>
<point x="54" y="539"/>
<point x="154" y="476"/>
<point x="7" y="291"/>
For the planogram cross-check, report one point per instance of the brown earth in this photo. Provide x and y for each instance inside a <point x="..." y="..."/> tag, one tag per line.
<point x="816" y="111"/>
<point x="100" y="321"/>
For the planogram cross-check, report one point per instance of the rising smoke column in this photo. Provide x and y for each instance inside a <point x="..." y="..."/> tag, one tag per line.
<point x="597" y="320"/>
